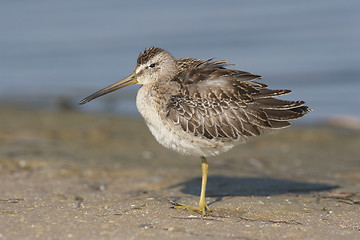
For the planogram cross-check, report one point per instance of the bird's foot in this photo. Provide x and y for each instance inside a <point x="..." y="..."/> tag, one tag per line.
<point x="202" y="208"/>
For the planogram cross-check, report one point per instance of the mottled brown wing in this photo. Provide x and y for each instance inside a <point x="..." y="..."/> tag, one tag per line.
<point x="223" y="104"/>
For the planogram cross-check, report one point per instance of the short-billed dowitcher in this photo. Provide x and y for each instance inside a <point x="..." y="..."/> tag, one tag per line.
<point x="201" y="108"/>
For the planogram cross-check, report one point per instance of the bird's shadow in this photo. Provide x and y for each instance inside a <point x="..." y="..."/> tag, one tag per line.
<point x="220" y="186"/>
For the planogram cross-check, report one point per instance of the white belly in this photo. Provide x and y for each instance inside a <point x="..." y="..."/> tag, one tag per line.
<point x="172" y="136"/>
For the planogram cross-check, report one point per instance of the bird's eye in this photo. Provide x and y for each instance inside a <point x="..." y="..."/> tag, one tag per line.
<point x="152" y="65"/>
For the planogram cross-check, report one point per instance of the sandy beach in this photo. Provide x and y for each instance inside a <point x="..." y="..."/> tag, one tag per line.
<point x="73" y="175"/>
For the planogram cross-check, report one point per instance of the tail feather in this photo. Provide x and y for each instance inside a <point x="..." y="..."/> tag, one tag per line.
<point x="265" y="93"/>
<point x="273" y="103"/>
<point x="284" y="115"/>
<point x="279" y="124"/>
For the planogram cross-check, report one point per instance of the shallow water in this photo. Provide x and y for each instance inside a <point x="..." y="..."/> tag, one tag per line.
<point x="68" y="49"/>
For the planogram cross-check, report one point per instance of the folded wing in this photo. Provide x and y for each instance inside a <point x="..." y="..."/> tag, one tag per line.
<point x="223" y="104"/>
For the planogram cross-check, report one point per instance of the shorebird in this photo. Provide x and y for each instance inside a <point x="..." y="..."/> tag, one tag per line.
<point x="202" y="108"/>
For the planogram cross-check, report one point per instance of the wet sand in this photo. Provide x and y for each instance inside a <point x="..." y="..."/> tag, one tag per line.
<point x="70" y="175"/>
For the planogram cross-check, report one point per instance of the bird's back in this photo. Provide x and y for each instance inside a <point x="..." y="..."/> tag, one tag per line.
<point x="225" y="105"/>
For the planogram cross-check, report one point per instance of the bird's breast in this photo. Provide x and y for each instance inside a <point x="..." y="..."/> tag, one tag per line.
<point x="152" y="106"/>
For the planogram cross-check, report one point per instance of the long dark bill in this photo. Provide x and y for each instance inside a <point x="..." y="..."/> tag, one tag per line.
<point x="131" y="79"/>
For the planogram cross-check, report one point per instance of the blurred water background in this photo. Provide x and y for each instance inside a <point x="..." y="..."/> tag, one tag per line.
<point x="54" y="53"/>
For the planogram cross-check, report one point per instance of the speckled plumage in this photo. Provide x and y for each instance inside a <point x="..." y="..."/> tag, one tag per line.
<point x="200" y="107"/>
<point x="211" y="108"/>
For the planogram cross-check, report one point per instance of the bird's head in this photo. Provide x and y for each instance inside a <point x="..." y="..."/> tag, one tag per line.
<point x="153" y="64"/>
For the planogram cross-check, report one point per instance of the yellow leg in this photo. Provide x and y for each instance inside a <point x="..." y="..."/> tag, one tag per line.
<point x="203" y="207"/>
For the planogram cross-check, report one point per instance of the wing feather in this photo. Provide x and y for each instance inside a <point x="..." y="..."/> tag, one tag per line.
<point x="226" y="105"/>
